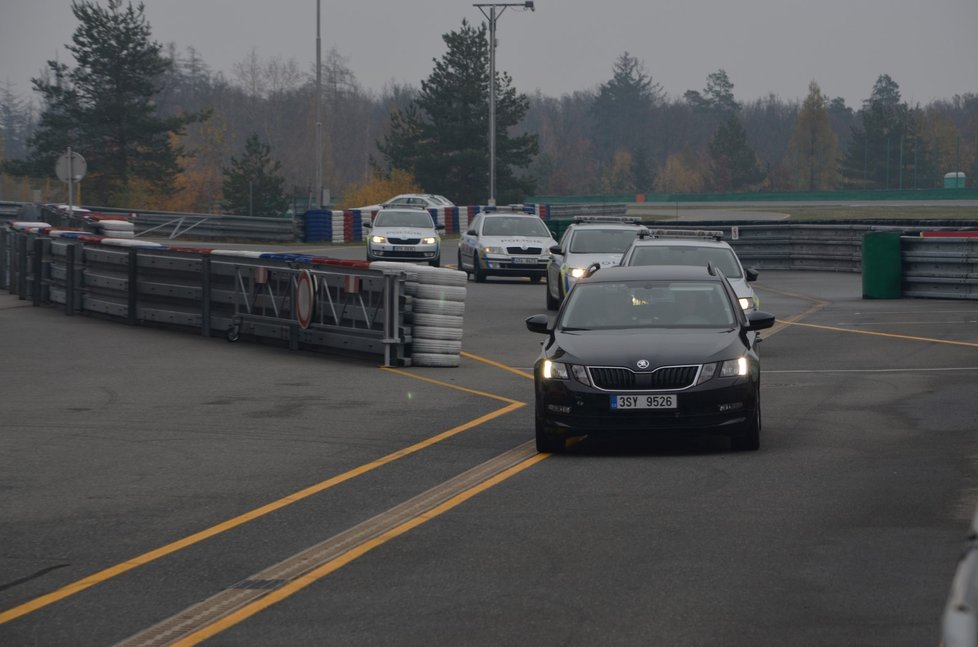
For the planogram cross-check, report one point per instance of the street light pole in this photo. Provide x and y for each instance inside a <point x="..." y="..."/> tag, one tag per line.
<point x="319" y="121"/>
<point x="492" y="16"/>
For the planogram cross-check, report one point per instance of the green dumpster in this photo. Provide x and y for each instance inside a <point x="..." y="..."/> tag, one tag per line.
<point x="882" y="266"/>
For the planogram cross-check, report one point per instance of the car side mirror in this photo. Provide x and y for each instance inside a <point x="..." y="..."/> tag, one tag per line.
<point x="555" y="249"/>
<point x="470" y="232"/>
<point x="367" y="225"/>
<point x="538" y="323"/>
<point x="758" y="320"/>
<point x="751" y="273"/>
<point x="440" y="227"/>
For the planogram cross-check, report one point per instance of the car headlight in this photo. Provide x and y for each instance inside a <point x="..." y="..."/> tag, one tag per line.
<point x="577" y="272"/>
<point x="430" y="240"/>
<point x="554" y="370"/>
<point x="734" y="367"/>
<point x="493" y="250"/>
<point x="380" y="240"/>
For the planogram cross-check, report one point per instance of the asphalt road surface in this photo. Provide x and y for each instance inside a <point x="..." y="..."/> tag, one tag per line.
<point x="160" y="487"/>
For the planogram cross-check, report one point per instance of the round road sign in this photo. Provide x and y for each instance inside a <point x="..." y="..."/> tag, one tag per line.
<point x="71" y="167"/>
<point x="304" y="298"/>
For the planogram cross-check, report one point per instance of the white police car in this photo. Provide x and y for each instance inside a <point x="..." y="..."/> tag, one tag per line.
<point x="591" y="239"/>
<point x="404" y="234"/>
<point x="505" y="243"/>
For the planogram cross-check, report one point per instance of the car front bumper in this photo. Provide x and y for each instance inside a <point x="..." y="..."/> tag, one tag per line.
<point x="569" y="408"/>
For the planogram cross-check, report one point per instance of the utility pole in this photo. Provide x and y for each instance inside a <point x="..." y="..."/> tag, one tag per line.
<point x="492" y="16"/>
<point x="319" y="110"/>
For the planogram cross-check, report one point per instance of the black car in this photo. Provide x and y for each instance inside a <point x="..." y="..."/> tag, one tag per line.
<point x="646" y="349"/>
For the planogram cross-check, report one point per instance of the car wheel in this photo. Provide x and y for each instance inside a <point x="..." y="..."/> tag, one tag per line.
<point x="477" y="271"/>
<point x="548" y="443"/>
<point x="435" y="263"/>
<point x="552" y="303"/>
<point x="750" y="438"/>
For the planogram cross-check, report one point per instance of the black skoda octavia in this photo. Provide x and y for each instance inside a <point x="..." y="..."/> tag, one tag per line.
<point x="647" y="349"/>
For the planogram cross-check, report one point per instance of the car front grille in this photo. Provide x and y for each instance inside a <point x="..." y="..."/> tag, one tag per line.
<point x="532" y="251"/>
<point x="666" y="378"/>
<point x="404" y="241"/>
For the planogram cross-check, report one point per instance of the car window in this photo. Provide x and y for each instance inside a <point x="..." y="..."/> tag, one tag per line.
<point x="723" y="257"/>
<point x="403" y="219"/>
<point x="514" y="226"/>
<point x="601" y="241"/>
<point x="647" y="304"/>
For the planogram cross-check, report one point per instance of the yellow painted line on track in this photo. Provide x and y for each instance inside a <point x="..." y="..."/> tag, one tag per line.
<point x="498" y="365"/>
<point x="173" y="547"/>
<point x="295" y="585"/>
<point x="456" y="386"/>
<point x="885" y="334"/>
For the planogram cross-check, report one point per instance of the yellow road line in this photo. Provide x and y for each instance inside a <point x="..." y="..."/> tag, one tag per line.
<point x="141" y="560"/>
<point x="886" y="334"/>
<point x="456" y="386"/>
<point x="498" y="365"/>
<point x="277" y="595"/>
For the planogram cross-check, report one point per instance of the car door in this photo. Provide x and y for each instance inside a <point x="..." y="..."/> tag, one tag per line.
<point x="468" y="243"/>
<point x="556" y="262"/>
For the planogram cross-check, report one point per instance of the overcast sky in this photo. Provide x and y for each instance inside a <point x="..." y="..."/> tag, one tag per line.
<point x="929" y="47"/>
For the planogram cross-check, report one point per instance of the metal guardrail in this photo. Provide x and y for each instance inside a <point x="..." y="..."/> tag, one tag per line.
<point x="353" y="308"/>
<point x="944" y="268"/>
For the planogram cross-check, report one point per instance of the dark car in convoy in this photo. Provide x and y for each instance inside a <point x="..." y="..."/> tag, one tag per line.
<point x="647" y="349"/>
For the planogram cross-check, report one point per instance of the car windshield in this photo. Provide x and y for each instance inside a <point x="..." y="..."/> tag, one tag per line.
<point x="403" y="219"/>
<point x="514" y="226"/>
<point x="601" y="241"/>
<point x="647" y="304"/>
<point x="723" y="257"/>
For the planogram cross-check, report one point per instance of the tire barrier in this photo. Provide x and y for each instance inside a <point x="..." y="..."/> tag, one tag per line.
<point x="435" y="305"/>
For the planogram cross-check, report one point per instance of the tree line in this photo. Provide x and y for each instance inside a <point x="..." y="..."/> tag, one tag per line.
<point x="161" y="130"/>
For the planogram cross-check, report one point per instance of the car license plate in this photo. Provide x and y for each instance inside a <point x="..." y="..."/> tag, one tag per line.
<point x="643" y="402"/>
<point x="524" y="261"/>
<point x="403" y="248"/>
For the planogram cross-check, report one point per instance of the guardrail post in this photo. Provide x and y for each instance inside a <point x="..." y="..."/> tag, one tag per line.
<point x="133" y="288"/>
<point x="22" y="267"/>
<point x="205" y="296"/>
<point x="4" y="258"/>
<point x="70" y="278"/>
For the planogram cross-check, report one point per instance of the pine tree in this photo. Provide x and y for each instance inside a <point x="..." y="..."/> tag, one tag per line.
<point x="442" y="136"/>
<point x="623" y="107"/>
<point x="104" y="108"/>
<point x="813" y="147"/>
<point x="253" y="185"/>
<point x="734" y="163"/>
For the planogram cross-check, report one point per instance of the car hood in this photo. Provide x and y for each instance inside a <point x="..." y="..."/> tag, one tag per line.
<point x="517" y="241"/>
<point x="586" y="260"/>
<point x="404" y="232"/>
<point x="661" y="347"/>
<point x="741" y="287"/>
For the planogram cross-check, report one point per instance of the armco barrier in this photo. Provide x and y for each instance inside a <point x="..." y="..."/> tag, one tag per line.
<point x="301" y="301"/>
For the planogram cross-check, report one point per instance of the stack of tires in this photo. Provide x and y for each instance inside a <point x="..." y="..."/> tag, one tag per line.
<point x="434" y="310"/>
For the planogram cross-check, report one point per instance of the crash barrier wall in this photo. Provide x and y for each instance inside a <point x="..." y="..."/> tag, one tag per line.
<point x="306" y="302"/>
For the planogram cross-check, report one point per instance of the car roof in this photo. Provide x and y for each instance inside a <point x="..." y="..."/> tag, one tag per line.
<point x="653" y="272"/>
<point x="684" y="242"/>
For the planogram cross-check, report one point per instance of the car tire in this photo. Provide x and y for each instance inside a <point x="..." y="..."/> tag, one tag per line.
<point x="435" y="263"/>
<point x="438" y="307"/>
<point x="552" y="303"/>
<point x="460" y="267"/>
<point x="438" y="346"/>
<point x="435" y="359"/>
<point x="749" y="439"/>
<point x="548" y="443"/>
<point x="477" y="272"/>
<point x="436" y="332"/>
<point x="434" y="320"/>
<point x="441" y="292"/>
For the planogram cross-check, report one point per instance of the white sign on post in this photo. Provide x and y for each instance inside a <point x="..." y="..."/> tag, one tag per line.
<point x="71" y="168"/>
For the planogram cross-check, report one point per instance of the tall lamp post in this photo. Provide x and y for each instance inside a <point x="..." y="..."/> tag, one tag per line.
<point x="319" y="108"/>
<point x="492" y="16"/>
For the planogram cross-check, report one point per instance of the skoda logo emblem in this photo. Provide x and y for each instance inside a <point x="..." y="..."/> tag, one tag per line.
<point x="523" y="247"/>
<point x="642" y="363"/>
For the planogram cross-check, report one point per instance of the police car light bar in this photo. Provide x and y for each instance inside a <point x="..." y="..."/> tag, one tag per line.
<point x="682" y="233"/>
<point x="627" y="220"/>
